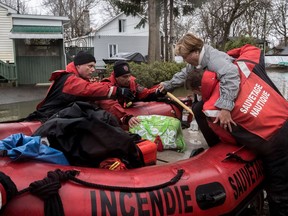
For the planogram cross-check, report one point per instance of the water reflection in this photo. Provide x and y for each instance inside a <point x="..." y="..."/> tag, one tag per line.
<point x="15" y="111"/>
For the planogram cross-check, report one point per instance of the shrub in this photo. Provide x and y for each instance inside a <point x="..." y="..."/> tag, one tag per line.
<point x="152" y="74"/>
<point x="239" y="43"/>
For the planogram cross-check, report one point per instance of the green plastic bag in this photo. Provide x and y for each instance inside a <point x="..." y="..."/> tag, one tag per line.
<point x="168" y="128"/>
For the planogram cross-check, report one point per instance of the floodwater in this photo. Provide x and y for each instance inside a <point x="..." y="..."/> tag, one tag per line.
<point x="15" y="111"/>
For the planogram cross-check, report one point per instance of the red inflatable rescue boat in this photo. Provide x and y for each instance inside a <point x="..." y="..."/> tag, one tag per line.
<point x="209" y="183"/>
<point x="205" y="184"/>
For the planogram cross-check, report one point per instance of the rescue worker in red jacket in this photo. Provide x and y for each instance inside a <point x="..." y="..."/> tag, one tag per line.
<point x="261" y="115"/>
<point x="73" y="85"/>
<point x="121" y="77"/>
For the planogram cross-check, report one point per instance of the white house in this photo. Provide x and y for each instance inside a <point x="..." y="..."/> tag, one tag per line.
<point x="6" y="44"/>
<point x="116" y="35"/>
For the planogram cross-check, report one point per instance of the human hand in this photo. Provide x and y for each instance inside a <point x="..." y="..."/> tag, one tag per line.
<point x="161" y="88"/>
<point x="225" y="120"/>
<point x="125" y="92"/>
<point x="133" y="121"/>
<point x="94" y="79"/>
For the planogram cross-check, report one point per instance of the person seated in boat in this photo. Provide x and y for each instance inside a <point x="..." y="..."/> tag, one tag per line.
<point x="261" y="117"/>
<point x="72" y="85"/>
<point x="121" y="77"/>
<point x="200" y="55"/>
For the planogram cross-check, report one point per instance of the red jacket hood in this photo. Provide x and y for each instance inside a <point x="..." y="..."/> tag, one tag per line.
<point x="70" y="68"/>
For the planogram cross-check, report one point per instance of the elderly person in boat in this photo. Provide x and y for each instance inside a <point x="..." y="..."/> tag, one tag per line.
<point x="121" y="77"/>
<point x="200" y="55"/>
<point x="261" y="127"/>
<point x="73" y="85"/>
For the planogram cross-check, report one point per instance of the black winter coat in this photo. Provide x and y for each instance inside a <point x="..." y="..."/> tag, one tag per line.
<point x="88" y="135"/>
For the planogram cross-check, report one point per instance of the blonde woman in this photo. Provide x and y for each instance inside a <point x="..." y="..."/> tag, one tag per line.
<point x="202" y="56"/>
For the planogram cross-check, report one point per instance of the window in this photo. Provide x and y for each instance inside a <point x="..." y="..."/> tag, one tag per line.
<point x="122" y="25"/>
<point x="112" y="50"/>
<point x="38" y="47"/>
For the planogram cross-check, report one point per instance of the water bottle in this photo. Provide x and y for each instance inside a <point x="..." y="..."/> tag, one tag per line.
<point x="185" y="115"/>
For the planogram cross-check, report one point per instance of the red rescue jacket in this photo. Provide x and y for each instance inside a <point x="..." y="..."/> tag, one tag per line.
<point x="118" y="107"/>
<point x="258" y="107"/>
<point x="67" y="87"/>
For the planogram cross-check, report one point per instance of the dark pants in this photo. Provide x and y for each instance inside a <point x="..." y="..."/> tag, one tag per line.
<point x="278" y="204"/>
<point x="274" y="154"/>
<point x="210" y="137"/>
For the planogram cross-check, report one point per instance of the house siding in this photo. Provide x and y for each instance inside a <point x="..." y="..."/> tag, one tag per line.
<point x="112" y="28"/>
<point x="124" y="44"/>
<point x="37" y="22"/>
<point x="131" y="40"/>
<point x="6" y="44"/>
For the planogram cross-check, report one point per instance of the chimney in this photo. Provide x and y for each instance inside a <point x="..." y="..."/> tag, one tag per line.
<point x="86" y="26"/>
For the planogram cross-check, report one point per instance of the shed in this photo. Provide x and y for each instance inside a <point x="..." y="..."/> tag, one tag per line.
<point x="38" y="42"/>
<point x="31" y="46"/>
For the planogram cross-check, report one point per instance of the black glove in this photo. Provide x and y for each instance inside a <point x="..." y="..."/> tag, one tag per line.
<point x="125" y="92"/>
<point x="158" y="93"/>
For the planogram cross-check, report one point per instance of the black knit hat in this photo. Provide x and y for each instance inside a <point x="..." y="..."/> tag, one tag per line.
<point x="83" y="58"/>
<point x="120" y="68"/>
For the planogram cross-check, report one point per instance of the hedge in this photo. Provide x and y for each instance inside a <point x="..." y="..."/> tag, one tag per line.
<point x="151" y="74"/>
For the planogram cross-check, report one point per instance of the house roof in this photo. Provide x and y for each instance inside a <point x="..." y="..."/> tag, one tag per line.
<point x="276" y="61"/>
<point x="44" y="32"/>
<point x="40" y="17"/>
<point x="8" y="8"/>
<point x="277" y="57"/>
<point x="284" y="51"/>
<point x="36" y="29"/>
<point x="278" y="51"/>
<point x="27" y="26"/>
<point x="113" y="18"/>
<point x="95" y="31"/>
<point x="109" y="21"/>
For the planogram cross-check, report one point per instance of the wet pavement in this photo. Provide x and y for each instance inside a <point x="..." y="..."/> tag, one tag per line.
<point x="10" y="95"/>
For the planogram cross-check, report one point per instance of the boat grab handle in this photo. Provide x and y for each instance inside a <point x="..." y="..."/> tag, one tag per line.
<point x="172" y="181"/>
<point x="212" y="197"/>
